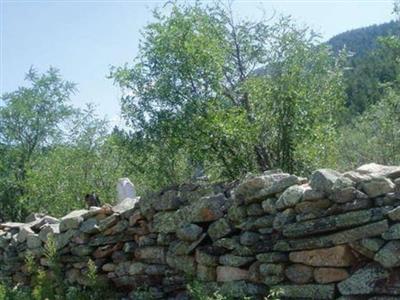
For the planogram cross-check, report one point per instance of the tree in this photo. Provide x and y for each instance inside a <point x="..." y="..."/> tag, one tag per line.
<point x="86" y="161"/>
<point x="30" y="119"/>
<point x="232" y="96"/>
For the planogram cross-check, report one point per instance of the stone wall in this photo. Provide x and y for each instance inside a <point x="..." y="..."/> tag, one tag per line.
<point x="334" y="236"/>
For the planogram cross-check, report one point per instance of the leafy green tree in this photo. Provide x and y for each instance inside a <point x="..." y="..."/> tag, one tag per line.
<point x="30" y="120"/>
<point x="86" y="161"/>
<point x="231" y="96"/>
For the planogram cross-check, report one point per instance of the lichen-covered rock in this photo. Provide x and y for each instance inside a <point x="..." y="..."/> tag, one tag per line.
<point x="283" y="218"/>
<point x="394" y="214"/>
<point x="379" y="170"/>
<point x="256" y="188"/>
<point x="219" y="229"/>
<point x="234" y="260"/>
<point x="268" y="205"/>
<point x="206" y="273"/>
<point x="182" y="263"/>
<point x="393" y="233"/>
<point x="151" y="254"/>
<point x="249" y="238"/>
<point x="333" y="223"/>
<point x="322" y="180"/>
<point x="272" y="257"/>
<point x="189" y="232"/>
<point x="342" y="237"/>
<point x="377" y="186"/>
<point x="89" y="226"/>
<point x="72" y="220"/>
<point x="339" y="256"/>
<point x="389" y="255"/>
<point x="290" y="197"/>
<point x="363" y="281"/>
<point x="299" y="273"/>
<point x="305" y="291"/>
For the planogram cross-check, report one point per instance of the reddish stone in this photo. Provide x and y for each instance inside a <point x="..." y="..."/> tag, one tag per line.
<point x="328" y="275"/>
<point x="339" y="256"/>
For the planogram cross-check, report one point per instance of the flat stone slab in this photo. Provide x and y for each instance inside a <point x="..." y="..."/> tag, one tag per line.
<point x="339" y="256"/>
<point x="342" y="237"/>
<point x="335" y="222"/>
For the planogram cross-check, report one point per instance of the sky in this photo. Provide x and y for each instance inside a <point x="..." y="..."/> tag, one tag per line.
<point x="84" y="38"/>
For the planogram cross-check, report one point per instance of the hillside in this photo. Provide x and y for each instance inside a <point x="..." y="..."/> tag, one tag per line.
<point x="363" y="40"/>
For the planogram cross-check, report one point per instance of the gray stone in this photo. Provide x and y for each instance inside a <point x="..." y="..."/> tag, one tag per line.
<point x="323" y="180"/>
<point x="282" y="219"/>
<point x="255" y="209"/>
<point x="206" y="273"/>
<point x="299" y="273"/>
<point x="312" y="195"/>
<point x="332" y="223"/>
<point x="272" y="257"/>
<point x="89" y="226"/>
<point x="169" y="200"/>
<point x="189" y="232"/>
<point x="185" y="264"/>
<point x="393" y="233"/>
<point x="219" y="229"/>
<point x="33" y="241"/>
<point x="72" y="220"/>
<point x="151" y="254"/>
<point x="389" y="255"/>
<point x="379" y="170"/>
<point x="377" y="186"/>
<point x="305" y="291"/>
<point x="363" y="281"/>
<point x="81" y="250"/>
<point x="236" y="214"/>
<point x="394" y="214"/>
<point x="257" y="188"/>
<point x="136" y="268"/>
<point x="206" y="258"/>
<point x="249" y="238"/>
<point x="342" y="237"/>
<point x="235" y="261"/>
<point x="290" y="197"/>
<point x="269" y="205"/>
<point x="372" y="244"/>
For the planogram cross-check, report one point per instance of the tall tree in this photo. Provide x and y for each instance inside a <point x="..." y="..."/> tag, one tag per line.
<point x="232" y="95"/>
<point x="30" y="119"/>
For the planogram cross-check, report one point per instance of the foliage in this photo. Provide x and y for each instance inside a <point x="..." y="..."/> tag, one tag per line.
<point x="30" y="119"/>
<point x="198" y="93"/>
<point x="87" y="162"/>
<point x="48" y="284"/>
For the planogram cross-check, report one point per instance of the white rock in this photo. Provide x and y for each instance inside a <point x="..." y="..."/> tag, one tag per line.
<point x="125" y="189"/>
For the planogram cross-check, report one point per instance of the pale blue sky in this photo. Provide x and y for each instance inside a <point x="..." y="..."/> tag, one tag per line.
<point x="84" y="38"/>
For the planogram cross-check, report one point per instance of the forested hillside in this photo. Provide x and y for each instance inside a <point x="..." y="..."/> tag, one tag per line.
<point x="370" y="64"/>
<point x="361" y="41"/>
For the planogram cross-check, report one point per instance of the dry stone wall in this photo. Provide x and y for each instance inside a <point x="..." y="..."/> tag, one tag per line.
<point x="335" y="236"/>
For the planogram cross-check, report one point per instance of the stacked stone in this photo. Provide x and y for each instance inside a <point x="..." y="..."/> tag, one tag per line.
<point x="337" y="235"/>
